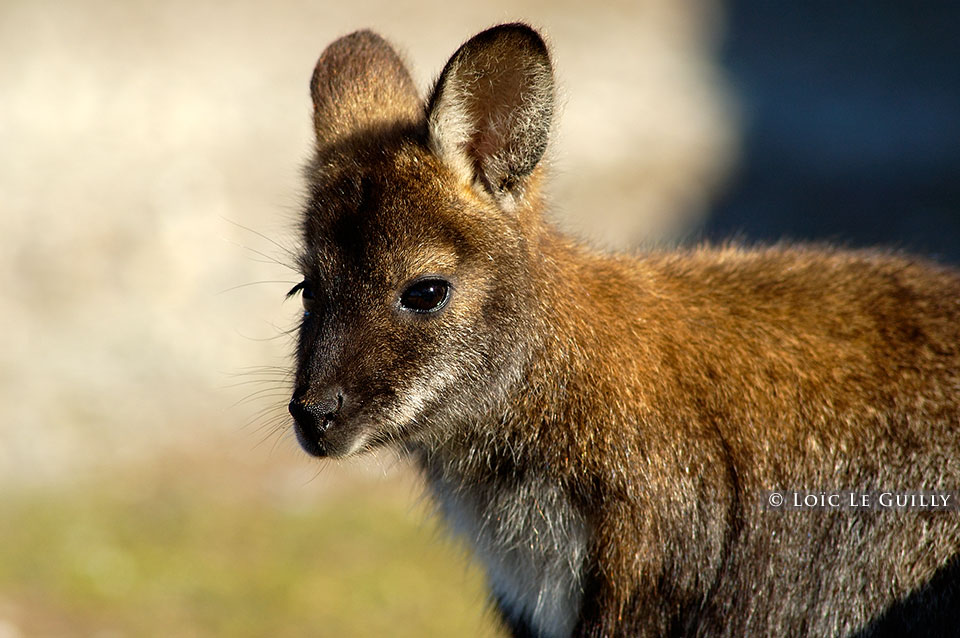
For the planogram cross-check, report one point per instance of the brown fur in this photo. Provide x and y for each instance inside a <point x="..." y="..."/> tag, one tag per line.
<point x="645" y="404"/>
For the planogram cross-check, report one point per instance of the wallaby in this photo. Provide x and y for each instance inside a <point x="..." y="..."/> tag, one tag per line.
<point x="608" y="432"/>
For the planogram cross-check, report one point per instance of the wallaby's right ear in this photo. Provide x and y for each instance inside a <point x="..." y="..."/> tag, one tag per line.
<point x="490" y="113"/>
<point x="359" y="83"/>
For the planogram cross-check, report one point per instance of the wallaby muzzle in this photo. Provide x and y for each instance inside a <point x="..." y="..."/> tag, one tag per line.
<point x="314" y="417"/>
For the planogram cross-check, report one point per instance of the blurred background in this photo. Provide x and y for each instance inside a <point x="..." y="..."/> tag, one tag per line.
<point x="149" y="191"/>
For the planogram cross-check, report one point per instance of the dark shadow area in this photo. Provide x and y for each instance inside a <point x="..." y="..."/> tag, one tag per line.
<point x="851" y="122"/>
<point x="930" y="612"/>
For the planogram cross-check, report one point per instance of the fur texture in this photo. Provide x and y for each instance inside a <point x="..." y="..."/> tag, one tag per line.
<point x="604" y="429"/>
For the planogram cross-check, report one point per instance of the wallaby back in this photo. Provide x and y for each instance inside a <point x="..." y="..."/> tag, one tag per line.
<point x="604" y="430"/>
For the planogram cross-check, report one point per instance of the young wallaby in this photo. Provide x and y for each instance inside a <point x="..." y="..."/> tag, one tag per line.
<point x="611" y="434"/>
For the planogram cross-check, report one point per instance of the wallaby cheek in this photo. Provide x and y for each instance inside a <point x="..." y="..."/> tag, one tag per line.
<point x="429" y="359"/>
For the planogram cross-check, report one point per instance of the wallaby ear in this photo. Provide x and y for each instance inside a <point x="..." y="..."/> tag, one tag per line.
<point x="490" y="112"/>
<point x="360" y="82"/>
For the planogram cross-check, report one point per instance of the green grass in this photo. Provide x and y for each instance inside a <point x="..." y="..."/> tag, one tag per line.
<point x="132" y="556"/>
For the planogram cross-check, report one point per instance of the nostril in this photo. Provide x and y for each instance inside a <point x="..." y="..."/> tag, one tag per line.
<point x="316" y="414"/>
<point x="330" y="407"/>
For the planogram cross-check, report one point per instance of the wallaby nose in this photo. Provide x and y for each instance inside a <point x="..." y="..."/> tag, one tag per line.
<point x="316" y="413"/>
<point x="312" y="417"/>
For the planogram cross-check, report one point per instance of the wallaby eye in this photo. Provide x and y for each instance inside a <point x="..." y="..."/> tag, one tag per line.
<point x="306" y="295"/>
<point x="425" y="295"/>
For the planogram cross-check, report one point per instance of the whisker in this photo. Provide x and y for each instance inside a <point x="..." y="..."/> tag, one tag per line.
<point x="276" y="427"/>
<point x="271" y="260"/>
<point x="285" y="249"/>
<point x="256" y="283"/>
<point x="264" y="413"/>
<point x="278" y="380"/>
<point x="281" y="335"/>
<point x="252" y="372"/>
<point x="245" y="369"/>
<point x="268" y="393"/>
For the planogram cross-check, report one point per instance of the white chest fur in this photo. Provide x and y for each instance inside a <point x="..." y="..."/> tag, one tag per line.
<point x="532" y="542"/>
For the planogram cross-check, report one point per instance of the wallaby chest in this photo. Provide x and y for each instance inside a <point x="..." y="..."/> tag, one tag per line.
<point x="529" y="537"/>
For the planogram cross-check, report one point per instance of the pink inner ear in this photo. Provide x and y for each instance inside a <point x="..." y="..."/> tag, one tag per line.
<point x="484" y="144"/>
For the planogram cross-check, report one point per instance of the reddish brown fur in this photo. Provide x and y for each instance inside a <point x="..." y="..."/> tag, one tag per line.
<point x="656" y="399"/>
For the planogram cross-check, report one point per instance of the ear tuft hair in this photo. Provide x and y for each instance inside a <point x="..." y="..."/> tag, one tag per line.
<point x="490" y="113"/>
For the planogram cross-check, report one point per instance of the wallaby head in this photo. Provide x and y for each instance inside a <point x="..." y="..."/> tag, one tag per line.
<point x="416" y="258"/>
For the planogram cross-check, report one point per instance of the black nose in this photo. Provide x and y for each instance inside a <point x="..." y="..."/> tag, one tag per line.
<point x="313" y="416"/>
<point x="316" y="413"/>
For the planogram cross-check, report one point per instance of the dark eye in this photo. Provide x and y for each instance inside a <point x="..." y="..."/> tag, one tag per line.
<point x="306" y="294"/>
<point x="426" y="295"/>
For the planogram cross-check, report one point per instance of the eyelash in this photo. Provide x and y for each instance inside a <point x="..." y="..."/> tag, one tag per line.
<point x="293" y="291"/>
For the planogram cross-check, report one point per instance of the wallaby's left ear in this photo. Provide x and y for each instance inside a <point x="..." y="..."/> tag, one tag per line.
<point x="490" y="112"/>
